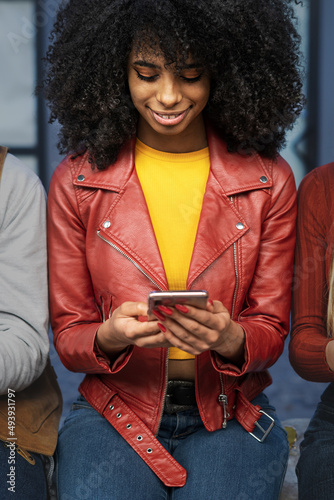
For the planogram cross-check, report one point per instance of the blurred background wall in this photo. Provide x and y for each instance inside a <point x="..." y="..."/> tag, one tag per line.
<point x="24" y="30"/>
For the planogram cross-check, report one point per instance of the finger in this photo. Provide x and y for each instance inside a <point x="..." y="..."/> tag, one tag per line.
<point x="192" y="319"/>
<point x="134" y="309"/>
<point x="148" y="328"/>
<point x="199" y="336"/>
<point x="157" y="340"/>
<point x="134" y="330"/>
<point x="218" y="307"/>
<point x="213" y="317"/>
<point x="183" y="339"/>
<point x="209" y="305"/>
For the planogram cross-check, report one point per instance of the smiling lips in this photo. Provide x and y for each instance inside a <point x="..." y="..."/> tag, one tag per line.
<point x="169" y="119"/>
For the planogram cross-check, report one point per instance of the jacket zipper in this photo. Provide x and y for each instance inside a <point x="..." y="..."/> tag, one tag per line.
<point x="152" y="281"/>
<point x="222" y="398"/>
<point x="236" y="273"/>
<point x="223" y="401"/>
<point x="131" y="260"/>
<point x="164" y="394"/>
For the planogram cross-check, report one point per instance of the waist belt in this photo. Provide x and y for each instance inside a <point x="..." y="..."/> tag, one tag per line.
<point x="180" y="396"/>
<point x="143" y="441"/>
<point x="147" y="446"/>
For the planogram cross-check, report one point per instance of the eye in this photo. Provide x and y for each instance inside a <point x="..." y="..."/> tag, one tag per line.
<point x="145" y="78"/>
<point x="191" y="79"/>
<point x="191" y="75"/>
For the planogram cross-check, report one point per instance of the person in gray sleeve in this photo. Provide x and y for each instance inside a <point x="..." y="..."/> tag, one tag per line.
<point x="26" y="375"/>
<point x="24" y="343"/>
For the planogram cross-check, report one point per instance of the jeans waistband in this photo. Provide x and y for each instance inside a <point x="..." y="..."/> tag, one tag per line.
<point x="180" y="396"/>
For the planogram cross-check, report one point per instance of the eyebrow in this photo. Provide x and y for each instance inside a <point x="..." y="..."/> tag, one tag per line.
<point x="147" y="64"/>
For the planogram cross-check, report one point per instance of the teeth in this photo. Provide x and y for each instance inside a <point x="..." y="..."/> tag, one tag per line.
<point x="169" y="117"/>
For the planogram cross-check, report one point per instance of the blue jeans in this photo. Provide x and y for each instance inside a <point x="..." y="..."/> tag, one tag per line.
<point x="95" y="463"/>
<point x="315" y="468"/>
<point x="25" y="481"/>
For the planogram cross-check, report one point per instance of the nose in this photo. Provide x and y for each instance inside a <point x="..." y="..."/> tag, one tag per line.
<point x="168" y="92"/>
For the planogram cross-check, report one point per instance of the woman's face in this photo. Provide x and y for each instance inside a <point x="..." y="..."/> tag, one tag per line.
<point x="169" y="100"/>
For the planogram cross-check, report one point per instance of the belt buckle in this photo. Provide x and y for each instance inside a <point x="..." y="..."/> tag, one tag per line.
<point x="265" y="432"/>
<point x="174" y="402"/>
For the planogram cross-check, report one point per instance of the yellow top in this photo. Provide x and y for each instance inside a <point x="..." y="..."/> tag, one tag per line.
<point x="173" y="185"/>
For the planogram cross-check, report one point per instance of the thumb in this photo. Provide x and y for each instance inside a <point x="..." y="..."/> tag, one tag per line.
<point x="210" y="305"/>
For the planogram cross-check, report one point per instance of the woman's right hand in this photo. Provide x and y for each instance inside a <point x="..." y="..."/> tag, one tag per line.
<point x="124" y="328"/>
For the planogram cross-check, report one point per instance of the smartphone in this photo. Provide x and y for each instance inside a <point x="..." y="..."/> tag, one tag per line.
<point x="197" y="298"/>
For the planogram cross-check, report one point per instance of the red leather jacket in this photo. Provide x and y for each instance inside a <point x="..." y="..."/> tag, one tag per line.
<point x="102" y="252"/>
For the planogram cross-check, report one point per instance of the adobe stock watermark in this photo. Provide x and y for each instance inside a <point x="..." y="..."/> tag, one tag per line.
<point x="99" y="473"/>
<point x="260" y="480"/>
<point x="46" y="9"/>
<point x="11" y="441"/>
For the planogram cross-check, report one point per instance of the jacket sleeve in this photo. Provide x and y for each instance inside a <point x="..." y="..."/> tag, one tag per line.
<point x="265" y="316"/>
<point x="75" y="316"/>
<point x="313" y="255"/>
<point x="24" y="343"/>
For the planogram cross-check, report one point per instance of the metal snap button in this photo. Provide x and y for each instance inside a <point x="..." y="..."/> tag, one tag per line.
<point x="128" y="426"/>
<point x="240" y="225"/>
<point x="81" y="178"/>
<point x="111" y="407"/>
<point x="263" y="179"/>
<point x="149" y="450"/>
<point x="118" y="415"/>
<point x="106" y="224"/>
<point x="139" y="438"/>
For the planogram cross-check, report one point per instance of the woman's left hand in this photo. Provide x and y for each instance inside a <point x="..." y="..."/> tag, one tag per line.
<point x="197" y="330"/>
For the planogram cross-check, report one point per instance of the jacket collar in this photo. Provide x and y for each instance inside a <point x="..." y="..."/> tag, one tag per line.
<point x="113" y="178"/>
<point x="234" y="172"/>
<point x="127" y="225"/>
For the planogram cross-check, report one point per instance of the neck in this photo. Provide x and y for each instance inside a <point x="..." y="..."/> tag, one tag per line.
<point x="192" y="139"/>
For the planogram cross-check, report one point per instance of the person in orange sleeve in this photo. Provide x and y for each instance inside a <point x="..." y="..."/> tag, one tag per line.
<point x="311" y="345"/>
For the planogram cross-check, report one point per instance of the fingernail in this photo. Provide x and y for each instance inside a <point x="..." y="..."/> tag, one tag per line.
<point x="210" y="301"/>
<point x="165" y="310"/>
<point x="162" y="328"/>
<point x="181" y="308"/>
<point x="159" y="315"/>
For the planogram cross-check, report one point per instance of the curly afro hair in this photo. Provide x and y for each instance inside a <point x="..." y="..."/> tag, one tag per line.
<point x="249" y="47"/>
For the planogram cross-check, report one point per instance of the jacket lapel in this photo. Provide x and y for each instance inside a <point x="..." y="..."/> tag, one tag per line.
<point x="127" y="224"/>
<point x="221" y="224"/>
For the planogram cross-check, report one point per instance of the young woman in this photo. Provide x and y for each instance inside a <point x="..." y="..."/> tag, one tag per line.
<point x="172" y="116"/>
<point x="311" y="345"/>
